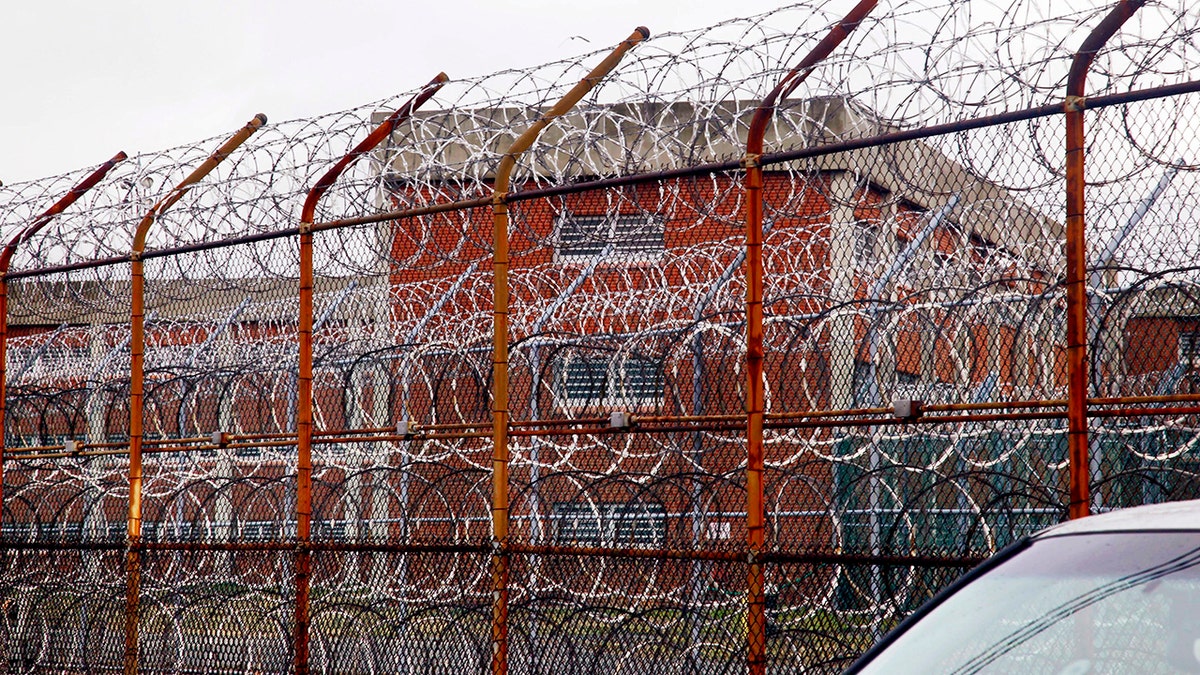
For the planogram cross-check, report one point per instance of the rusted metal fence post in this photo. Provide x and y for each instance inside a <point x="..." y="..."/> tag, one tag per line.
<point x="6" y="260"/>
<point x="500" y="412"/>
<point x="756" y="623"/>
<point x="137" y="347"/>
<point x="304" y="394"/>
<point x="1076" y="253"/>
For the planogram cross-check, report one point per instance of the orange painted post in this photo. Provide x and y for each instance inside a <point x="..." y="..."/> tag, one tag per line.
<point x="756" y="619"/>
<point x="6" y="260"/>
<point x="500" y="412"/>
<point x="137" y="346"/>
<point x="304" y="371"/>
<point x="1076" y="254"/>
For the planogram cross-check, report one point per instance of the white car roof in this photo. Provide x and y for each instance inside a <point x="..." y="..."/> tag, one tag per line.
<point x="1154" y="517"/>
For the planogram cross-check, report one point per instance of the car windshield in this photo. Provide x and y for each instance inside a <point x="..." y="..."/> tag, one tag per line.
<point x="1067" y="605"/>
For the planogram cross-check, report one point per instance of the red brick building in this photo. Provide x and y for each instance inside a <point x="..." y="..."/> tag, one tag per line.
<point x="625" y="300"/>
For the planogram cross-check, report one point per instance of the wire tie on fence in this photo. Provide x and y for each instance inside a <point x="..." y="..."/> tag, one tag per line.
<point x="1075" y="103"/>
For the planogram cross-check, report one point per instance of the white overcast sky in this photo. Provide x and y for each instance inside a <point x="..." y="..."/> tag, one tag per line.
<point x="85" y="78"/>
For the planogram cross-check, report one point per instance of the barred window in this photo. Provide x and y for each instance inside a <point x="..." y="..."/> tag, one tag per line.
<point x="609" y="524"/>
<point x="1189" y="346"/>
<point x="908" y="385"/>
<point x="610" y="381"/>
<point x="264" y="530"/>
<point x="866" y="239"/>
<point x="864" y="389"/>
<point x="633" y="237"/>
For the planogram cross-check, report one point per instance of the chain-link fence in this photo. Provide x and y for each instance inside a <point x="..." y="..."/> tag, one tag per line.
<point x="627" y="362"/>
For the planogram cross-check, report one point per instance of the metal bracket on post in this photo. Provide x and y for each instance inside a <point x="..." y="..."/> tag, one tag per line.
<point x="907" y="409"/>
<point x="620" y="419"/>
<point x="406" y="428"/>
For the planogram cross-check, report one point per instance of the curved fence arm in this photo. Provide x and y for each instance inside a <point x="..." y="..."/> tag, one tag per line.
<point x="385" y="129"/>
<point x="755" y="394"/>
<point x="797" y="75"/>
<point x="500" y="412"/>
<point x="304" y="371"/>
<point x="206" y="167"/>
<point x="1076" y="253"/>
<point x="61" y="205"/>
<point x="137" y="340"/>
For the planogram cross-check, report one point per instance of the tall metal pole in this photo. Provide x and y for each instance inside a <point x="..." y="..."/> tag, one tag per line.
<point x="756" y="623"/>
<point x="500" y="412"/>
<point x="304" y="394"/>
<point x="137" y="348"/>
<point x="1076" y="254"/>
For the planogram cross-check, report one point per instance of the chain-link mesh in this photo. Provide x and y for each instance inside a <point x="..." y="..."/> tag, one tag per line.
<point x="167" y="506"/>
